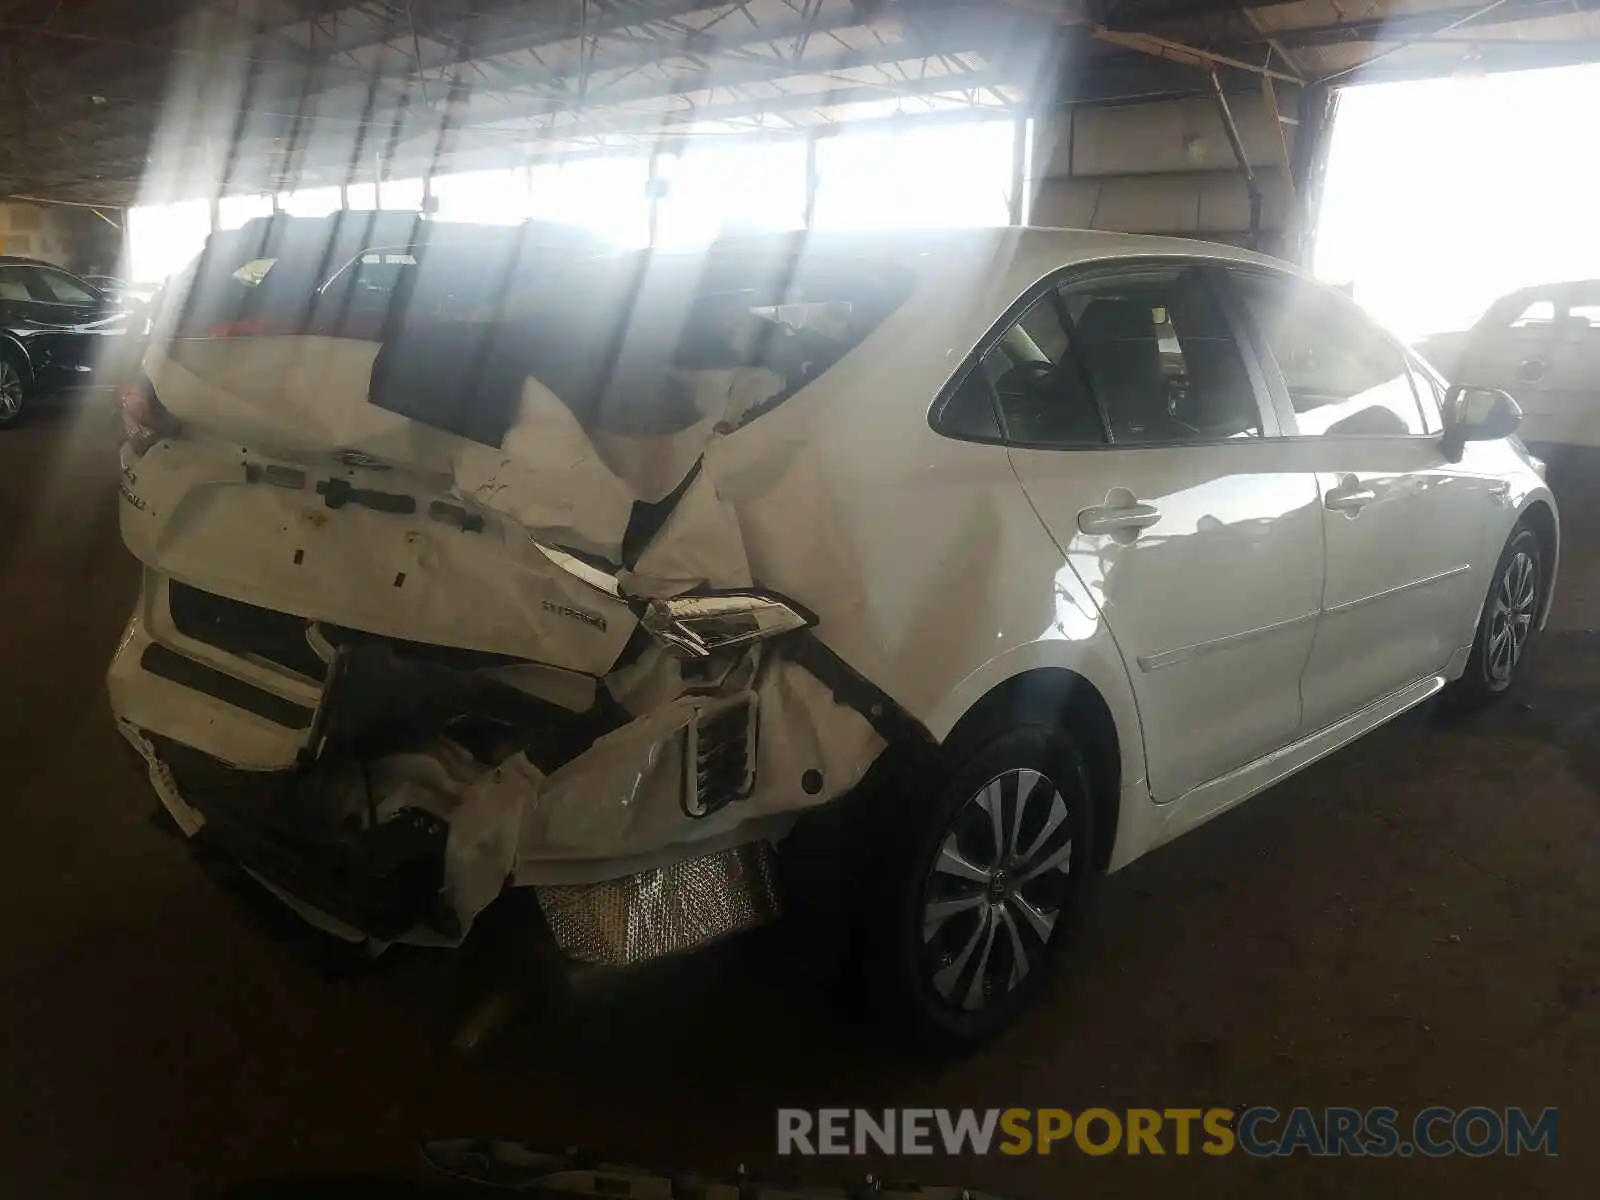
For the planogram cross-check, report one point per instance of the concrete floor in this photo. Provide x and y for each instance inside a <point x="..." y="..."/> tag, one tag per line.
<point x="1416" y="920"/>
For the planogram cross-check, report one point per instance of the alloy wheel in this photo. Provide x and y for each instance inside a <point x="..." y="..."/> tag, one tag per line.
<point x="1511" y="615"/>
<point x="996" y="888"/>
<point x="11" y="392"/>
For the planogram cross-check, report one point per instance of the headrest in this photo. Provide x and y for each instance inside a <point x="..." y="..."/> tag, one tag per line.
<point x="1116" y="320"/>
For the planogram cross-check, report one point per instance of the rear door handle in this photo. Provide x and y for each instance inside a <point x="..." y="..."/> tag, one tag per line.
<point x="1121" y="518"/>
<point x="1351" y="496"/>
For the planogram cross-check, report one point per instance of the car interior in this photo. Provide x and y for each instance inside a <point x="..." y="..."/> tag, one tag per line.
<point x="1154" y="354"/>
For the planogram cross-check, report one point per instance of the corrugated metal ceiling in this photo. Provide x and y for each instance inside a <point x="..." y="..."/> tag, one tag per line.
<point x="186" y="96"/>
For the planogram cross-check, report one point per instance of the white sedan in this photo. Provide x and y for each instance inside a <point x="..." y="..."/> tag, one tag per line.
<point x="1013" y="554"/>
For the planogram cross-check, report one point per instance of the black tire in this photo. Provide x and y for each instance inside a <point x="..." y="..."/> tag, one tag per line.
<point x="1509" y="620"/>
<point x="923" y="971"/>
<point x="16" y="388"/>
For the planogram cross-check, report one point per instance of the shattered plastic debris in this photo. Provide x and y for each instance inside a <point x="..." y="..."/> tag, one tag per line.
<point x="735" y="513"/>
<point x="482" y="805"/>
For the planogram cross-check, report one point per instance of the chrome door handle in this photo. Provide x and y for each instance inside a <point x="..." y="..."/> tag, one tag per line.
<point x="1115" y="519"/>
<point x="1350" y="496"/>
<point x="1531" y="370"/>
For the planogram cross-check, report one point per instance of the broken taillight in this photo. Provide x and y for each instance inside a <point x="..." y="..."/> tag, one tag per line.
<point x="695" y="626"/>
<point x="145" y="422"/>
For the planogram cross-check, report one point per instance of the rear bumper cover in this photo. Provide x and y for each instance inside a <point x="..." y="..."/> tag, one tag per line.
<point x="364" y="804"/>
<point x="382" y="882"/>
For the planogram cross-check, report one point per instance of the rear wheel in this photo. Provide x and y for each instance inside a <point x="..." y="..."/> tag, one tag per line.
<point x="13" y="390"/>
<point x="981" y="891"/>
<point x="1510" y="614"/>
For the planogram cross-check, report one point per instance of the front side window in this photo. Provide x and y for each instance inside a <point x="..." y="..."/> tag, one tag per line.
<point x="1344" y="375"/>
<point x="1430" y="394"/>
<point x="63" y="288"/>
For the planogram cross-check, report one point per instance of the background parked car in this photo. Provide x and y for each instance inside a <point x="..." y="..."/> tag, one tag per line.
<point x="121" y="290"/>
<point x="1541" y="344"/>
<point x="55" y="330"/>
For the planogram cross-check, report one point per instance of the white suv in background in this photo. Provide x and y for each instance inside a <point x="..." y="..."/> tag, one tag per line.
<point x="1024" y="551"/>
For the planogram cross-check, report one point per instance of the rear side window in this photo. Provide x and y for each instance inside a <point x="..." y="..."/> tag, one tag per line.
<point x="1538" y="313"/>
<point x="1158" y="350"/>
<point x="1141" y="358"/>
<point x="969" y="411"/>
<point x="1043" y="396"/>
<point x="14" y="284"/>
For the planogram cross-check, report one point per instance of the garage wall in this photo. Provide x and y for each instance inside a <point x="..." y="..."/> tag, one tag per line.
<point x="1164" y="167"/>
<point x="73" y="238"/>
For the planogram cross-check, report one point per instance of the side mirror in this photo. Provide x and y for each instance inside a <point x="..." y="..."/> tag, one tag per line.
<point x="1477" y="414"/>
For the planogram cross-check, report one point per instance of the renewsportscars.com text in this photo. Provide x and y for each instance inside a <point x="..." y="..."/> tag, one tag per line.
<point x="1260" y="1132"/>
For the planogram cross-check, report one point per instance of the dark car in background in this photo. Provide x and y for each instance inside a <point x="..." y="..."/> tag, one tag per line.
<point x="120" y="290"/>
<point x="55" y="330"/>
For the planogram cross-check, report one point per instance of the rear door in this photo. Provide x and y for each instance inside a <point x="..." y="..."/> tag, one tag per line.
<point x="1138" y="429"/>
<point x="1403" y="526"/>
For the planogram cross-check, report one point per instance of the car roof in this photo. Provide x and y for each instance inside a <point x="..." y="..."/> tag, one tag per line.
<point x="1031" y="242"/>
<point x="20" y="261"/>
<point x="1010" y="258"/>
<point x="962" y="279"/>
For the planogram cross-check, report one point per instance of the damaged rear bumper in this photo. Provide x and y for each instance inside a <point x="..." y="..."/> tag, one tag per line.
<point x="395" y="796"/>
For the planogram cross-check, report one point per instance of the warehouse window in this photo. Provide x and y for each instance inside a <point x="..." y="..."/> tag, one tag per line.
<point x="1443" y="195"/>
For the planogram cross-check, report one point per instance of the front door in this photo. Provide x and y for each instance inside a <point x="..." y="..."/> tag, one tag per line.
<point x="1137" y="430"/>
<point x="1402" y="526"/>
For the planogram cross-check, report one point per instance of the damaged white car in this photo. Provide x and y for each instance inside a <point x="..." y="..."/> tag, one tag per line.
<point x="612" y="575"/>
